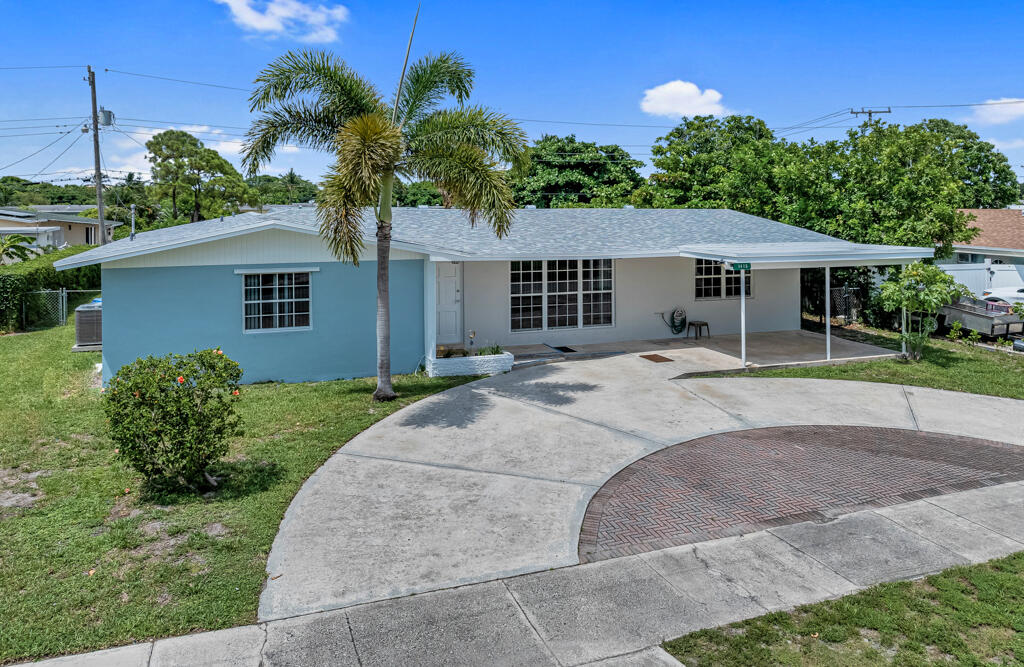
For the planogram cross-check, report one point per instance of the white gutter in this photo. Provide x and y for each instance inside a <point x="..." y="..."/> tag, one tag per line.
<point x="986" y="250"/>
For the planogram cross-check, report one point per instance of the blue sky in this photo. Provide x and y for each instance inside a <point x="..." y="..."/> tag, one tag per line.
<point x="786" y="62"/>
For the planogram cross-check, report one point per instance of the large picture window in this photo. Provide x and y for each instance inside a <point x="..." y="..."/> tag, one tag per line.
<point x="561" y="294"/>
<point x="713" y="281"/>
<point x="276" y="301"/>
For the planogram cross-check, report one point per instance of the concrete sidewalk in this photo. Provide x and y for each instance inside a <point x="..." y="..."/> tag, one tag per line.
<point x="617" y="611"/>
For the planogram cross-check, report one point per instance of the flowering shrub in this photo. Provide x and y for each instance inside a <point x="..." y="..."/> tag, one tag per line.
<point x="171" y="416"/>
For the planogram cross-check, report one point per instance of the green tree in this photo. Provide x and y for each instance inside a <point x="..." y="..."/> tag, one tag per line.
<point x="187" y="171"/>
<point x="15" y="246"/>
<point x="921" y="290"/>
<point x="287" y="189"/>
<point x="170" y="153"/>
<point x="315" y="98"/>
<point x="989" y="181"/>
<point x="561" y="171"/>
<point x="707" y="162"/>
<point x="901" y="186"/>
<point x="417" y="193"/>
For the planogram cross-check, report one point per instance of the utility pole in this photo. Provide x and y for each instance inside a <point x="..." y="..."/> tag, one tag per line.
<point x="98" y="173"/>
<point x="870" y="112"/>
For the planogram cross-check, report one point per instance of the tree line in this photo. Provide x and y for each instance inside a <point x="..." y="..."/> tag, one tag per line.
<point x="882" y="183"/>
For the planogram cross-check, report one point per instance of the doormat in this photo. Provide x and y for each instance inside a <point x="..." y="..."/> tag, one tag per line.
<point x="656" y="358"/>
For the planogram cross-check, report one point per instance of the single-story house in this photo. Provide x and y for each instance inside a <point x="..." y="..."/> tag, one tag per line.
<point x="266" y="289"/>
<point x="75" y="229"/>
<point x="995" y="257"/>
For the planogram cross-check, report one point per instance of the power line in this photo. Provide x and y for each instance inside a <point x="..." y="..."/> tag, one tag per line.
<point x="193" y="131"/>
<point x="46" y="67"/>
<point x="63" y="134"/>
<point x="950" y="106"/>
<point x="167" y="78"/>
<point x="59" y="156"/>
<point x="181" y="122"/>
<point x="33" y="134"/>
<point x="35" y="127"/>
<point x="25" y="120"/>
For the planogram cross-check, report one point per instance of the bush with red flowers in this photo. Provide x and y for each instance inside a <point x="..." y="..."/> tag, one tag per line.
<point x="171" y="416"/>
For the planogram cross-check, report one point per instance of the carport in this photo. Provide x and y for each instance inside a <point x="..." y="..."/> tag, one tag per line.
<point x="749" y="258"/>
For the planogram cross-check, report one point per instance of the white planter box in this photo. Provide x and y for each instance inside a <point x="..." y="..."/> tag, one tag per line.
<point x="486" y="364"/>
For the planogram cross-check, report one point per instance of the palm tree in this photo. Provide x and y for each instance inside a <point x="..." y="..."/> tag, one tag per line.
<point x="14" y="246"/>
<point x="314" y="98"/>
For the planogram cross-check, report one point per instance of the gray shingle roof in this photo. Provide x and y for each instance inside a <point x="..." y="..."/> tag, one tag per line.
<point x="536" y="233"/>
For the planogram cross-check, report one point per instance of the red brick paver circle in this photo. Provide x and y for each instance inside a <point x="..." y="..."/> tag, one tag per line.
<point x="741" y="482"/>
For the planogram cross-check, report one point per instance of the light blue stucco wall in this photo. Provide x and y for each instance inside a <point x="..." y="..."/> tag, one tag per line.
<point x="180" y="309"/>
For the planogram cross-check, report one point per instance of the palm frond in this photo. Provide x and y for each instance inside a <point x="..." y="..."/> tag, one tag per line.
<point x="299" y="121"/>
<point x="471" y="180"/>
<point x="341" y="219"/>
<point x="322" y="74"/>
<point x="430" y="80"/>
<point x="493" y="132"/>
<point x="368" y="148"/>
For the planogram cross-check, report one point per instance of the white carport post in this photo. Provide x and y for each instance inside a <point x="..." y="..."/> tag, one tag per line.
<point x="903" y="324"/>
<point x="828" y="313"/>
<point x="743" y="317"/>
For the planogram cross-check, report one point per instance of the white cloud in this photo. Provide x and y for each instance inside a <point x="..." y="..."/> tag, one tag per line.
<point x="304" y="21"/>
<point x="997" y="112"/>
<point x="682" y="98"/>
<point x="1009" y="144"/>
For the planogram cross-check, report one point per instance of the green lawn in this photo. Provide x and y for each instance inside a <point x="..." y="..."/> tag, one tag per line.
<point x="967" y="615"/>
<point x="90" y="563"/>
<point x="946" y="365"/>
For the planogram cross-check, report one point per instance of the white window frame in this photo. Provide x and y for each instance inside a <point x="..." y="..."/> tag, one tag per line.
<point x="544" y="300"/>
<point x="271" y="330"/>
<point x="723" y="274"/>
<point x="542" y="295"/>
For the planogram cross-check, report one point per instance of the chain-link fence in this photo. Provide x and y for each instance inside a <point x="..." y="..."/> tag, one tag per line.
<point x="846" y="302"/>
<point x="50" y="308"/>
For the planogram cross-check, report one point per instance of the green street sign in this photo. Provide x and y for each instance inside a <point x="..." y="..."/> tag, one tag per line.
<point x="741" y="266"/>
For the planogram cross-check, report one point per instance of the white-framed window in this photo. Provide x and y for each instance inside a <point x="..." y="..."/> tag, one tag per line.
<point x="561" y="294"/>
<point x="713" y="281"/>
<point x="597" y="287"/>
<point x="527" y="303"/>
<point x="563" y="290"/>
<point x="276" y="300"/>
<point x="90" y="233"/>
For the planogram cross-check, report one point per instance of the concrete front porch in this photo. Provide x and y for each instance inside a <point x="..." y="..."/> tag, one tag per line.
<point x="681" y="357"/>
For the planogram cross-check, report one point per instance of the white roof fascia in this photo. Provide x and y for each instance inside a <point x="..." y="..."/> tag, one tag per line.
<point x="985" y="250"/>
<point x="257" y="226"/>
<point x="854" y="256"/>
<point x="463" y="257"/>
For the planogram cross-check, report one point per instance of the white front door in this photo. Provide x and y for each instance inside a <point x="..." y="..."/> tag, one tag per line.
<point x="449" y="303"/>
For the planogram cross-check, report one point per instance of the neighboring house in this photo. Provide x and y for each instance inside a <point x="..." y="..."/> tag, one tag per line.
<point x="266" y="289"/>
<point x="75" y="229"/>
<point x="995" y="257"/>
<point x="74" y="209"/>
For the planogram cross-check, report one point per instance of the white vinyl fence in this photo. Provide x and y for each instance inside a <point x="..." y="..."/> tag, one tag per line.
<point x="980" y="277"/>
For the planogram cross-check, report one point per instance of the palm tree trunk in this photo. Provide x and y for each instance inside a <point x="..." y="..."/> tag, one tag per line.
<point x="384" y="391"/>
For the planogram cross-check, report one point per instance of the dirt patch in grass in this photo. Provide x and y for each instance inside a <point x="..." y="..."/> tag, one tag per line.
<point x="19" y="489"/>
<point x="216" y="529"/>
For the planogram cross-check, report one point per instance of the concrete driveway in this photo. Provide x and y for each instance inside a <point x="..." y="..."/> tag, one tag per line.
<point x="715" y="500"/>
<point x="494" y="479"/>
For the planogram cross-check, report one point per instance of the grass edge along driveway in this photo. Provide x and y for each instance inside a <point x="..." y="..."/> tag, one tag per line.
<point x="945" y="365"/>
<point x="965" y="615"/>
<point x="87" y="562"/>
